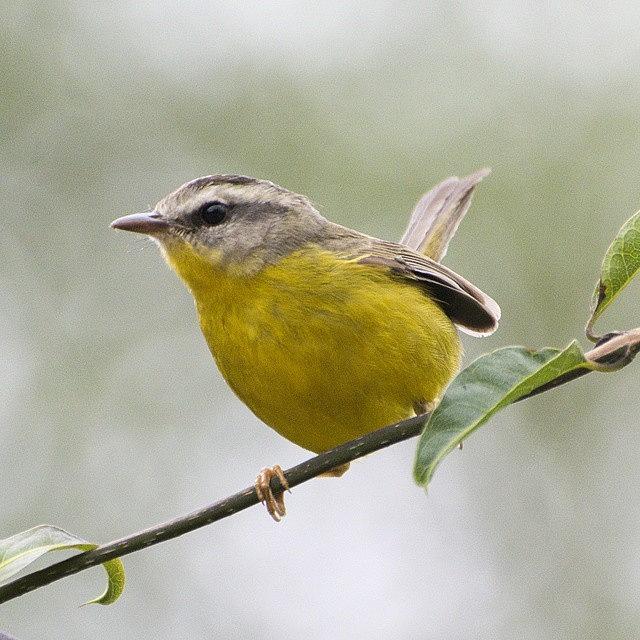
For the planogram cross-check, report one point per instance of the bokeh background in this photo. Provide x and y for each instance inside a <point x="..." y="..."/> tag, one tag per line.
<point x="112" y="415"/>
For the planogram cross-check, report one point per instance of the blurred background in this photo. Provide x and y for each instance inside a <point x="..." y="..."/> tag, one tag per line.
<point x="112" y="414"/>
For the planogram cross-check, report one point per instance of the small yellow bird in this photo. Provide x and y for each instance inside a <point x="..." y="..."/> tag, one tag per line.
<point x="323" y="332"/>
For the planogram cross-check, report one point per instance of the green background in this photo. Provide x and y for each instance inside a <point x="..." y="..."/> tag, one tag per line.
<point x="112" y="415"/>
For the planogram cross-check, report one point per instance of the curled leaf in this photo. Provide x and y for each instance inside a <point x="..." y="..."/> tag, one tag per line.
<point x="620" y="265"/>
<point x="21" y="549"/>
<point x="488" y="384"/>
<point x="615" y="350"/>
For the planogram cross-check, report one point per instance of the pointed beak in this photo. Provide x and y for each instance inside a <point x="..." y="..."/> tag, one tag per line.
<point x="150" y="223"/>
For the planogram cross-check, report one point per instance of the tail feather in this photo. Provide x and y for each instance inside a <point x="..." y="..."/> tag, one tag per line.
<point x="437" y="215"/>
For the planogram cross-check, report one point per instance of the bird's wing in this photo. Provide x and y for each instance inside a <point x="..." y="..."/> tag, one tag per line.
<point x="438" y="213"/>
<point x="468" y="307"/>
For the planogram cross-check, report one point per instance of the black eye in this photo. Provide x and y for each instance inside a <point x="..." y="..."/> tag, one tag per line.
<point x="214" y="212"/>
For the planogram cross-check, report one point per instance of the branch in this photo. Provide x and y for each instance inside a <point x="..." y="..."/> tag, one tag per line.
<point x="613" y="351"/>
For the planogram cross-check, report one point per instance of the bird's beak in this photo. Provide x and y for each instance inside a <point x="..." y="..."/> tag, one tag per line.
<point x="150" y="223"/>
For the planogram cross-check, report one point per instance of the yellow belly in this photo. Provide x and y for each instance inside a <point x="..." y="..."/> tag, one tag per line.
<point x="323" y="349"/>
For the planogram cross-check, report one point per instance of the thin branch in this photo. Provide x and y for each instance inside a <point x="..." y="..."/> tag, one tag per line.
<point x="615" y="351"/>
<point x="242" y="500"/>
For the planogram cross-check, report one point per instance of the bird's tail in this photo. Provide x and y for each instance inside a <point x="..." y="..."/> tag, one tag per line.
<point x="438" y="213"/>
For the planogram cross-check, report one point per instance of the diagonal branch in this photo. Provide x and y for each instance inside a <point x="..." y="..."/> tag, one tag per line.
<point x="614" y="351"/>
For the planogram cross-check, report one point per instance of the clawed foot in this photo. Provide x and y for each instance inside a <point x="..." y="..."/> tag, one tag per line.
<point x="273" y="502"/>
<point x="336" y="472"/>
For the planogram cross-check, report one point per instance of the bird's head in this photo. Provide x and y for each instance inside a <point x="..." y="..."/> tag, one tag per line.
<point x="227" y="221"/>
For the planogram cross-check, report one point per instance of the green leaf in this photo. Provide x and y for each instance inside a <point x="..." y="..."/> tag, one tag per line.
<point x="488" y="384"/>
<point x="620" y="265"/>
<point x="20" y="550"/>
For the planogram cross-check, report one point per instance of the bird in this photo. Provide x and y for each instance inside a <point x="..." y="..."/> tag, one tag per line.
<point x="325" y="333"/>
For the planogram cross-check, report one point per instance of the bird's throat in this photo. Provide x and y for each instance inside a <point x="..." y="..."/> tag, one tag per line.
<point x="199" y="269"/>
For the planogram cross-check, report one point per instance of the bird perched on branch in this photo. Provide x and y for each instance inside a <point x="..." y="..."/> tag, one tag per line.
<point x="323" y="332"/>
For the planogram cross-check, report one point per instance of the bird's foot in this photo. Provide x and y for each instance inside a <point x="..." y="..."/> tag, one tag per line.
<point x="273" y="501"/>
<point x="422" y="406"/>
<point x="336" y="472"/>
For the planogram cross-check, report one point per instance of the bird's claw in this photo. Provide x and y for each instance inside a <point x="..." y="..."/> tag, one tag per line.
<point x="273" y="502"/>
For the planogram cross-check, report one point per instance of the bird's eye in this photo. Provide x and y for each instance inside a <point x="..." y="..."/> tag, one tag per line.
<point x="214" y="212"/>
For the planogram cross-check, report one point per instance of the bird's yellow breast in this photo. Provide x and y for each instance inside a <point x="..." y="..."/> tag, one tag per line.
<point x="320" y="348"/>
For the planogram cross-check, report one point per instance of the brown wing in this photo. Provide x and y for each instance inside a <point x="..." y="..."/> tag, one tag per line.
<point x="468" y="307"/>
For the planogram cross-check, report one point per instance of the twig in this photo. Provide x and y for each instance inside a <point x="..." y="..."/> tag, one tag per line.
<point x="615" y="351"/>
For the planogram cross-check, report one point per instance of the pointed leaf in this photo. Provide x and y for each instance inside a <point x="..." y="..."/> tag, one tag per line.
<point x="488" y="384"/>
<point x="620" y="265"/>
<point x="20" y="550"/>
